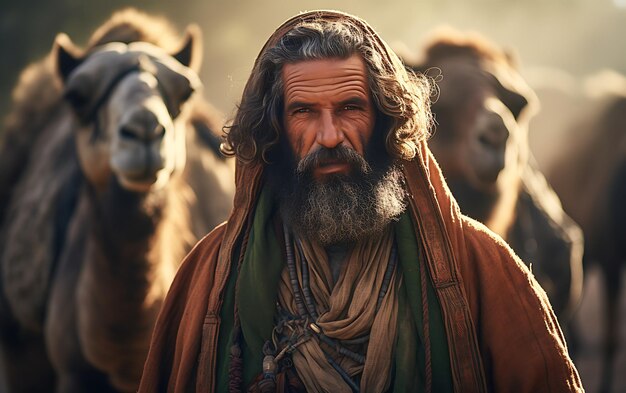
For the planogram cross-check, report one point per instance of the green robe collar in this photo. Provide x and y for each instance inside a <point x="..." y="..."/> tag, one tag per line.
<point x="258" y="280"/>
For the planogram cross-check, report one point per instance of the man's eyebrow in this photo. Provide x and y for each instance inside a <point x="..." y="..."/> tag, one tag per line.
<point x="297" y="105"/>
<point x="358" y="101"/>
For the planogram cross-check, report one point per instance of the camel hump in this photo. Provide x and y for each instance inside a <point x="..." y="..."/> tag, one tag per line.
<point x="36" y="220"/>
<point x="36" y="98"/>
<point x="30" y="190"/>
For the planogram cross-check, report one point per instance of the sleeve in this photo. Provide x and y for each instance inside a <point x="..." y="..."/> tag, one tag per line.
<point x="521" y="343"/>
<point x="176" y="339"/>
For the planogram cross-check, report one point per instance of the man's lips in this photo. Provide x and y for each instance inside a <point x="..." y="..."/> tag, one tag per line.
<point x="329" y="168"/>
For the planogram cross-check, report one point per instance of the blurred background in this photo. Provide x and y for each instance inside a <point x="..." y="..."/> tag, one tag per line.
<point x="576" y="36"/>
<point x="559" y="43"/>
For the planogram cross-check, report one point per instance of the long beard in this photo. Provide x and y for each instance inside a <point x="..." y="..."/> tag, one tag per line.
<point x="341" y="208"/>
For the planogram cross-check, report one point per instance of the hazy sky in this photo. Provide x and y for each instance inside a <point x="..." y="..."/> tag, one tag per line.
<point x="578" y="36"/>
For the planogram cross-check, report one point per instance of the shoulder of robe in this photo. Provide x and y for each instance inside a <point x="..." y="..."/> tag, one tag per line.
<point x="201" y="260"/>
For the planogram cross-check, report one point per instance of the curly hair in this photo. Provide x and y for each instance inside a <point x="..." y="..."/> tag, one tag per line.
<point x="401" y="97"/>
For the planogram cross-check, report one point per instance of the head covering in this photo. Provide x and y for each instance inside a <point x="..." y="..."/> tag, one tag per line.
<point x="427" y="187"/>
<point x="249" y="175"/>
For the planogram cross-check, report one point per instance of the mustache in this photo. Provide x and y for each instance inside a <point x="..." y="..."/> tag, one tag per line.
<point x="341" y="154"/>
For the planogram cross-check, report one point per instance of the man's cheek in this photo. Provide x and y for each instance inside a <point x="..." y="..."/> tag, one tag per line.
<point x="301" y="147"/>
<point x="295" y="144"/>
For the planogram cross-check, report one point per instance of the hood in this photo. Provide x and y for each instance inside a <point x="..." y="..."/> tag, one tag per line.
<point x="435" y="213"/>
<point x="249" y="175"/>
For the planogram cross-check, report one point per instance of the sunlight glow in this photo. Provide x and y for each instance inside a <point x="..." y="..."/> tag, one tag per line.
<point x="620" y="3"/>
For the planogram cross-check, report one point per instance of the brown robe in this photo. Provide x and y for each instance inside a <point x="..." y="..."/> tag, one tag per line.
<point x="501" y="330"/>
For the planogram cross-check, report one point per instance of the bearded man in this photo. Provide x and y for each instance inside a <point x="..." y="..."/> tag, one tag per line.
<point x="346" y="265"/>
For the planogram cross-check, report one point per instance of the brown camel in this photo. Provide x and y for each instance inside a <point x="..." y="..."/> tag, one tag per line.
<point x="480" y="141"/>
<point x="110" y="172"/>
<point x="589" y="175"/>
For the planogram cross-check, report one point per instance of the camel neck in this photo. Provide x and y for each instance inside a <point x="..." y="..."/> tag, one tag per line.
<point x="127" y="221"/>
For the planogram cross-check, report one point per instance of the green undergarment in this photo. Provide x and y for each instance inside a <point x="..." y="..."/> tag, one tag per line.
<point x="258" y="286"/>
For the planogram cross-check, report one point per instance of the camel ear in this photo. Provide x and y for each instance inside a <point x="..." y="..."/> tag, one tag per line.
<point x="512" y="57"/>
<point x="512" y="99"/>
<point x="68" y="56"/>
<point x="190" y="53"/>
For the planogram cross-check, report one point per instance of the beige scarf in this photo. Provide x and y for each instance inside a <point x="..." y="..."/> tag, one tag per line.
<point x="347" y="310"/>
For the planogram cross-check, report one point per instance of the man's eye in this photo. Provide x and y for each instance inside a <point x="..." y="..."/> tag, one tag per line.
<point x="350" y="108"/>
<point x="302" y="110"/>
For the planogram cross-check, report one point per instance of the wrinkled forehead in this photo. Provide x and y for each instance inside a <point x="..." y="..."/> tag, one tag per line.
<point x="325" y="76"/>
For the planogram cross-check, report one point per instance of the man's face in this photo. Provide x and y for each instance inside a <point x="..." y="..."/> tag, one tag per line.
<point x="330" y="192"/>
<point x="327" y="104"/>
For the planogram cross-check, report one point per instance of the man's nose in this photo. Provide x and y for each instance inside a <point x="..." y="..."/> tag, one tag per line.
<point x="329" y="134"/>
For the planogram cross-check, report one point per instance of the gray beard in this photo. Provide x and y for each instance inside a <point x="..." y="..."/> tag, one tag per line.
<point x="343" y="208"/>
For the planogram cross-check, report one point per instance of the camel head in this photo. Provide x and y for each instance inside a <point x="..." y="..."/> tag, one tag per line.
<point x="481" y="115"/>
<point x="127" y="99"/>
<point x="477" y="137"/>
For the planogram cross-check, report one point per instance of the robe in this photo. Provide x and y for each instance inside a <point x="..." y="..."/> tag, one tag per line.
<point x="501" y="332"/>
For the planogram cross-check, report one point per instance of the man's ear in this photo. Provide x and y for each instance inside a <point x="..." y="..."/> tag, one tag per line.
<point x="67" y="55"/>
<point x="190" y="52"/>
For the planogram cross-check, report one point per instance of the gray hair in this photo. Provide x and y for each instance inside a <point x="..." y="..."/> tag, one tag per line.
<point x="401" y="98"/>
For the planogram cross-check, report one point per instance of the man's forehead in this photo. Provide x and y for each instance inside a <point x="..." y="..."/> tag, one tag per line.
<point x="325" y="72"/>
<point x="329" y="68"/>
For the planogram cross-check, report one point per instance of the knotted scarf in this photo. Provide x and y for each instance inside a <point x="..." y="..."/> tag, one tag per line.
<point x="347" y="311"/>
<point x="259" y="280"/>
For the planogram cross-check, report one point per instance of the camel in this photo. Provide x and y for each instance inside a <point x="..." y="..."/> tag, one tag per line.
<point x="589" y="174"/>
<point x="480" y="141"/>
<point x="110" y="173"/>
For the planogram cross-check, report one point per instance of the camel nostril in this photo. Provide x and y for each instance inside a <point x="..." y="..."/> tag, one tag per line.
<point x="495" y="139"/>
<point x="130" y="134"/>
<point x="159" y="132"/>
<point x="141" y="134"/>
<point x="486" y="141"/>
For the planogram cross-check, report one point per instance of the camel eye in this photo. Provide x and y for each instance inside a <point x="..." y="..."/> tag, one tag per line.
<point x="187" y="92"/>
<point x="176" y="106"/>
<point x="485" y="141"/>
<point x="77" y="99"/>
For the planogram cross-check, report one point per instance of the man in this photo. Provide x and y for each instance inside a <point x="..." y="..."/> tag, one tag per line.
<point x="345" y="264"/>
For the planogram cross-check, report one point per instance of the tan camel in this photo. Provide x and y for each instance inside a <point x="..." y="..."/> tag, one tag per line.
<point x="480" y="141"/>
<point x="113" y="175"/>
